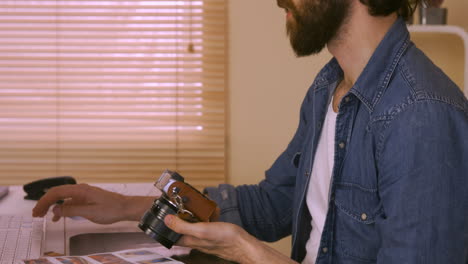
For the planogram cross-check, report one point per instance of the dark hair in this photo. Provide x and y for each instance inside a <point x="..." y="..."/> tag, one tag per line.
<point x="404" y="8"/>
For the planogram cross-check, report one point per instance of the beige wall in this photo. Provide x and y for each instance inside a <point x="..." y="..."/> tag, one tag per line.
<point x="447" y="50"/>
<point x="457" y="10"/>
<point x="267" y="84"/>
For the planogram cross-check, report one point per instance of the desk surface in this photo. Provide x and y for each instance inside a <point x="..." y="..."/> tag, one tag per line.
<point x="59" y="233"/>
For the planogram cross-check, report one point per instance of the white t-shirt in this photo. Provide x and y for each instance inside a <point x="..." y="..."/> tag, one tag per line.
<point x="319" y="184"/>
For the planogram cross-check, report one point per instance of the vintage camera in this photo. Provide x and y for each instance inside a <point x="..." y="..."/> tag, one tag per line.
<point x="178" y="198"/>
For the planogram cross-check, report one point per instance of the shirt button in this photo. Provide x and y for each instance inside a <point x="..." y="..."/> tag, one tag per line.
<point x="342" y="145"/>
<point x="325" y="250"/>
<point x="364" y="217"/>
<point x="346" y="99"/>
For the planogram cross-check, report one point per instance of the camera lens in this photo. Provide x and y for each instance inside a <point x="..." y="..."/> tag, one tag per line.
<point x="152" y="223"/>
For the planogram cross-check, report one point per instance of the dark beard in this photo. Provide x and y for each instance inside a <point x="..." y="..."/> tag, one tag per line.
<point x="314" y="24"/>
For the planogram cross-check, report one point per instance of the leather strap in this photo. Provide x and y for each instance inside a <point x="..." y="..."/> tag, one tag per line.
<point x="202" y="207"/>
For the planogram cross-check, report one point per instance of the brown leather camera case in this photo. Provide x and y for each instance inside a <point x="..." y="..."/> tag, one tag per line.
<point x="204" y="209"/>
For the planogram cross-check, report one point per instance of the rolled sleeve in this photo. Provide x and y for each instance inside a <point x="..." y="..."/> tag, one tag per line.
<point x="226" y="197"/>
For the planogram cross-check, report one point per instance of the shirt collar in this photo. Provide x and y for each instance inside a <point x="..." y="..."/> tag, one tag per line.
<point x="377" y="74"/>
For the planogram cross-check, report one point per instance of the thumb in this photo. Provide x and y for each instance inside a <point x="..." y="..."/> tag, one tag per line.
<point x="178" y="225"/>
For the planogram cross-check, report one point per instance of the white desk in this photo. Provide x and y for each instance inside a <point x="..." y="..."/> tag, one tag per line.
<point x="58" y="233"/>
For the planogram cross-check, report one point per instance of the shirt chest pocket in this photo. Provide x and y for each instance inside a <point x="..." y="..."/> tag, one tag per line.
<point x="357" y="208"/>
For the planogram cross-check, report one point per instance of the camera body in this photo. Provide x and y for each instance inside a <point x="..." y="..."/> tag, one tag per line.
<point x="178" y="198"/>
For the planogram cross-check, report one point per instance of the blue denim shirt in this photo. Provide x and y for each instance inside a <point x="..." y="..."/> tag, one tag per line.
<point x="399" y="190"/>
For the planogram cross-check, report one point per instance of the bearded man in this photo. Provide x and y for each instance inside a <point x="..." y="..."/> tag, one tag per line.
<point x="377" y="171"/>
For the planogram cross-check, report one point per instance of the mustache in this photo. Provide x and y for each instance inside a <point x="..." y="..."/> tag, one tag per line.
<point x="289" y="6"/>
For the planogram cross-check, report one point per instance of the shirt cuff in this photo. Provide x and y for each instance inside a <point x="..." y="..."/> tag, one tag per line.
<point x="225" y="196"/>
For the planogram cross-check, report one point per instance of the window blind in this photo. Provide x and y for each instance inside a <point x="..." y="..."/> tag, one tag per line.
<point x="112" y="91"/>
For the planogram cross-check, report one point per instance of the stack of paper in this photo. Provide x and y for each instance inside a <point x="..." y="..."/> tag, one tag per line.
<point x="131" y="256"/>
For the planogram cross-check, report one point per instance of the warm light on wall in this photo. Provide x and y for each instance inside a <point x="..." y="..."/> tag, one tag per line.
<point x="112" y="90"/>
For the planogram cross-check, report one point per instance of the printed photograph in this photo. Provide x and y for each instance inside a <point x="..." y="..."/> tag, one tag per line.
<point x="158" y="260"/>
<point x="109" y="259"/>
<point x="37" y="261"/>
<point x="72" y="260"/>
<point x="130" y="254"/>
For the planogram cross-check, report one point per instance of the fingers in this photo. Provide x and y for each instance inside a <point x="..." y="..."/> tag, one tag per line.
<point x="57" y="213"/>
<point x="191" y="242"/>
<point x="70" y="210"/>
<point x="185" y="228"/>
<point x="75" y="192"/>
<point x="221" y="239"/>
<point x="92" y="203"/>
<point x="190" y="236"/>
<point x="58" y="209"/>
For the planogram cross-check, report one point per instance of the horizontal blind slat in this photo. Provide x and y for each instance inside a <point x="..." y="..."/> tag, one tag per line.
<point x="108" y="91"/>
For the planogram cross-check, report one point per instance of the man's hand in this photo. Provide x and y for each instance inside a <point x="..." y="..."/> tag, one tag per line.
<point x="225" y="240"/>
<point x="92" y="203"/>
